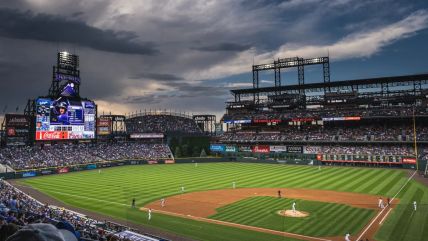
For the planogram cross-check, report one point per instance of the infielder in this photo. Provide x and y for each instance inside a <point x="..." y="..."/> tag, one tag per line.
<point x="414" y="205"/>
<point x="163" y="202"/>
<point x="294" y="207"/>
<point x="347" y="237"/>
<point x="233" y="185"/>
<point x="150" y="214"/>
<point x="380" y="203"/>
<point x="182" y="189"/>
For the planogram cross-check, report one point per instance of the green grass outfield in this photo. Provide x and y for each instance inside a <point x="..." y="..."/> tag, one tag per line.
<point x="111" y="193"/>
<point x="262" y="212"/>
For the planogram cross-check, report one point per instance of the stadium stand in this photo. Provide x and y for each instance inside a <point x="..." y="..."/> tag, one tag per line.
<point x="162" y="122"/>
<point x="69" y="154"/>
<point x="18" y="210"/>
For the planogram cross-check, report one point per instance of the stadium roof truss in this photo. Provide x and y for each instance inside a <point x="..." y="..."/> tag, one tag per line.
<point x="384" y="84"/>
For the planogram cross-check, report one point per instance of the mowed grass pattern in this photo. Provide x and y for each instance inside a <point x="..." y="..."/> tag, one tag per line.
<point x="325" y="219"/>
<point x="111" y="192"/>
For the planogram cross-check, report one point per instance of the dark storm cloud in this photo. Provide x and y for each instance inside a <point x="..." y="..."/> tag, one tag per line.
<point x="157" y="76"/>
<point x="231" y="47"/>
<point x="51" y="28"/>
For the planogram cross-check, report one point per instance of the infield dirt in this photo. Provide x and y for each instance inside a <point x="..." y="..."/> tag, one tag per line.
<point x="201" y="205"/>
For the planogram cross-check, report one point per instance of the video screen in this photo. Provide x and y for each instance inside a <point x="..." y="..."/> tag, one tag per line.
<point x="64" y="118"/>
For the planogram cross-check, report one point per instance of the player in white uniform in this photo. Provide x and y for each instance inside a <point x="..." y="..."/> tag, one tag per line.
<point x="414" y="205"/>
<point x="182" y="189"/>
<point x="233" y="185"/>
<point x="99" y="171"/>
<point x="163" y="202"/>
<point x="294" y="207"/>
<point x="380" y="203"/>
<point x="347" y="237"/>
<point x="150" y="214"/>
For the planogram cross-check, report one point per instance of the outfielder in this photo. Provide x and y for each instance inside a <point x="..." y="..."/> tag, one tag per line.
<point x="294" y="207"/>
<point x="414" y="205"/>
<point x="150" y="214"/>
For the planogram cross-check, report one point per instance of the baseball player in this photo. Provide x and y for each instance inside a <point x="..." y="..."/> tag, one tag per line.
<point x="182" y="188"/>
<point x="196" y="164"/>
<point x="279" y="193"/>
<point x="347" y="237"/>
<point x="233" y="185"/>
<point x="133" y="203"/>
<point x="99" y="171"/>
<point x="294" y="207"/>
<point x="163" y="202"/>
<point x="380" y="203"/>
<point x="150" y="214"/>
<point x="414" y="205"/>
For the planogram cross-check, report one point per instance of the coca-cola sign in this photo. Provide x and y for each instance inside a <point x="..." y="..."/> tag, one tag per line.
<point x="52" y="135"/>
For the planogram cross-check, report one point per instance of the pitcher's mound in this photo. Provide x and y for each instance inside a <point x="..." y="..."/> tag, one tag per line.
<point x="294" y="214"/>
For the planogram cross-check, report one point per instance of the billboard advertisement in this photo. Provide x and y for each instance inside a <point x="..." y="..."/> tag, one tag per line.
<point x="278" y="148"/>
<point x="217" y="148"/>
<point x="146" y="135"/>
<point x="312" y="149"/>
<point x="64" y="119"/>
<point x="409" y="160"/>
<point x="294" y="149"/>
<point x="17" y="129"/>
<point x="230" y="148"/>
<point x="261" y="149"/>
<point x="103" y="126"/>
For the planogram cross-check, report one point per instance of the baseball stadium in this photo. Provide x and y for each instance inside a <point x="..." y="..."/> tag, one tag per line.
<point x="293" y="155"/>
<point x="320" y="161"/>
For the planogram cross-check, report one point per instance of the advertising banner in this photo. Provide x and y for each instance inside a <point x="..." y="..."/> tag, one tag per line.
<point x="29" y="174"/>
<point x="217" y="148"/>
<point x="146" y="135"/>
<point x="312" y="149"/>
<point x="278" y="148"/>
<point x="266" y="120"/>
<point x="91" y="166"/>
<point x="152" y="162"/>
<point x="230" y="148"/>
<point x="46" y="172"/>
<point x="261" y="149"/>
<point x="129" y="235"/>
<point x="52" y="135"/>
<point x="294" y="149"/>
<point x="409" y="160"/>
<point x="103" y="126"/>
<point x="63" y="170"/>
<point x="245" y="148"/>
<point x="169" y="161"/>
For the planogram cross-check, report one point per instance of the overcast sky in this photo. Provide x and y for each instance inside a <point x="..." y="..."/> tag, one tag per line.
<point x="186" y="55"/>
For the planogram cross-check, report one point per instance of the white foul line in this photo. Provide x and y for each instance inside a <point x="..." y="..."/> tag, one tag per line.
<point x="381" y="221"/>
<point x="380" y="213"/>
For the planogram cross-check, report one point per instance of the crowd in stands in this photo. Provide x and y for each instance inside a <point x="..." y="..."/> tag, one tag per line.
<point x="162" y="124"/>
<point x="19" y="211"/>
<point x="69" y="154"/>
<point x="330" y="133"/>
<point x="325" y="113"/>
<point x="368" y="150"/>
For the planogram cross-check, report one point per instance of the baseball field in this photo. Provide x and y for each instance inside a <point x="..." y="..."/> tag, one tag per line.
<point x="201" y="203"/>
